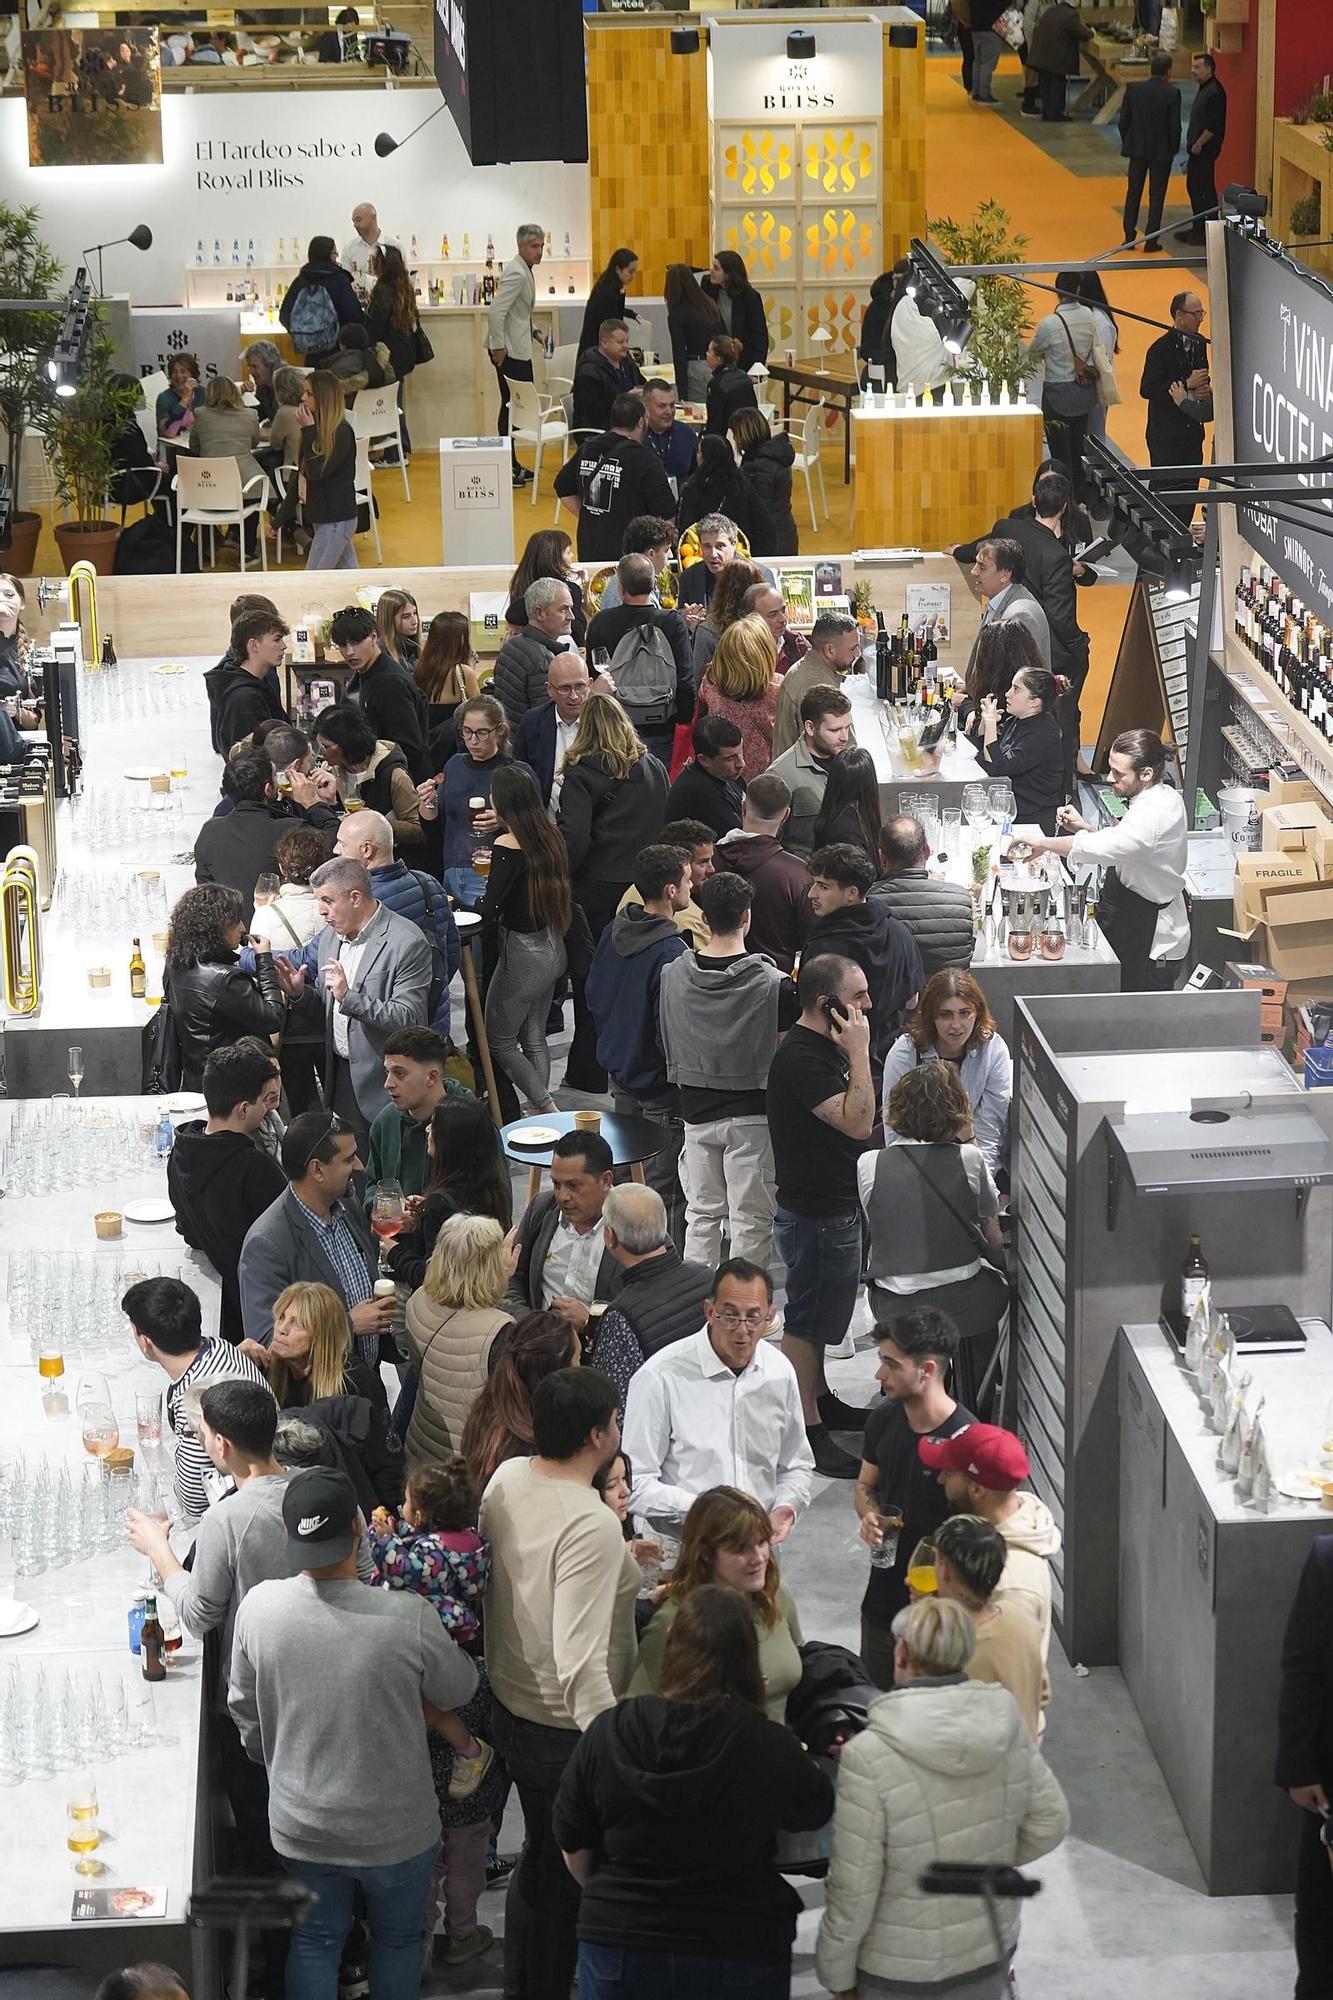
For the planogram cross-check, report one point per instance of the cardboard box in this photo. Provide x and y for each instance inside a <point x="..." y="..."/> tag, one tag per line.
<point x="1299" y="924"/>
<point x="1294" y="829"/>
<point x="1260" y="979"/>
<point x="1259" y="876"/>
<point x="1289" y="786"/>
<point x="1323" y="854"/>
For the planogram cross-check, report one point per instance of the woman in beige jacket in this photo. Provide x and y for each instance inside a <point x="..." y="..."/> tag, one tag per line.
<point x="451" y="1323"/>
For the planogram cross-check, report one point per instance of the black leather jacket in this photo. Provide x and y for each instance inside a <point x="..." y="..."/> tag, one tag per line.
<point x="215" y="1004"/>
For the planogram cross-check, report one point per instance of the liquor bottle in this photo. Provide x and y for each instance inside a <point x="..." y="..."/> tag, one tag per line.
<point x="199" y="251"/>
<point x="467" y="248"/>
<point x="490" y="249"/>
<point x="108" y="651"/>
<point x="444" y="249"/>
<point x="1005" y="398"/>
<point x="138" y="974"/>
<point x="883" y="663"/>
<point x="1194" y="1277"/>
<point x="152" y="1642"/>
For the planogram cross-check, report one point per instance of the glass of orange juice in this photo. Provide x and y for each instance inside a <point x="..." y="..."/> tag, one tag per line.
<point x="922" y="1580"/>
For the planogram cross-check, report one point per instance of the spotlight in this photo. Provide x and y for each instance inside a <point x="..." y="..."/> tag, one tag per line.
<point x="1238" y="199"/>
<point x="385" y="143"/>
<point x="957" y="336"/>
<point x="800" y="45"/>
<point x="66" y="362"/>
<point x="141" y="236"/>
<point x="684" y="41"/>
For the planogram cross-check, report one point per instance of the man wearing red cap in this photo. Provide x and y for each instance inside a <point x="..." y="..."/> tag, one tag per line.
<point x="981" y="1470"/>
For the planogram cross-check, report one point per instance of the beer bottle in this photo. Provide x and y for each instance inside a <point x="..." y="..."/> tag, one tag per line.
<point x="138" y="974"/>
<point x="152" y="1643"/>
<point x="1193" y="1277"/>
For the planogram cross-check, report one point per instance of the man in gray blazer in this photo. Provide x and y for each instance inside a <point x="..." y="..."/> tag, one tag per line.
<point x="998" y="573"/>
<point x="509" y="325"/>
<point x="371" y="974"/>
<point x="313" y="1234"/>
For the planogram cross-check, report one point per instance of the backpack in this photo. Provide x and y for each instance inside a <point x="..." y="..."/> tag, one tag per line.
<point x="643" y="668"/>
<point x="314" y="321"/>
<point x="161" y="1063"/>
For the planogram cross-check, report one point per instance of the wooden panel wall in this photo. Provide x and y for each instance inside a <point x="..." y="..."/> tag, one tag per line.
<point x="922" y="481"/>
<point x="904" y="146"/>
<point x="648" y="150"/>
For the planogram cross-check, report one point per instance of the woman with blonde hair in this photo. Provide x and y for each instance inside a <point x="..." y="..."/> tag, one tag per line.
<point x="398" y="622"/>
<point x="728" y="1539"/>
<point x="452" y="1321"/>
<point x="327" y="484"/>
<point x="312" y="1365"/>
<point x="225" y="428"/>
<point x="742" y="685"/>
<point x="612" y="803"/>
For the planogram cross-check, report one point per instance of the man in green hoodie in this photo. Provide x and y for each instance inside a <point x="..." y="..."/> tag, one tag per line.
<point x="415" y="1081"/>
<point x="723" y="1010"/>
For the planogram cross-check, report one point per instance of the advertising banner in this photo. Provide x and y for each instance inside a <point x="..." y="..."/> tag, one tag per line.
<point x="1282" y="394"/>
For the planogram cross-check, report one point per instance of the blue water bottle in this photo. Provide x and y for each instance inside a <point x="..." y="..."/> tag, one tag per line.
<point x="138" y="1612"/>
<point x="164" y="1138"/>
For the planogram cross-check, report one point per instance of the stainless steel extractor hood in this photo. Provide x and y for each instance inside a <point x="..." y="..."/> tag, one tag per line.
<point x="1276" y="1145"/>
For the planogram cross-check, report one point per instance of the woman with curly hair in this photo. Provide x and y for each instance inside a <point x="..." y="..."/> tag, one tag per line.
<point x="742" y="685"/>
<point x="212" y="1002"/>
<point x="953" y="1024"/>
<point x="612" y="803"/>
<point x="728" y="1539"/>
<point x="499" y="1424"/>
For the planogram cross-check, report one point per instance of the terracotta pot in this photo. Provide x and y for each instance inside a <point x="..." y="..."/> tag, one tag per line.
<point x="25" y="532"/>
<point x="92" y="541"/>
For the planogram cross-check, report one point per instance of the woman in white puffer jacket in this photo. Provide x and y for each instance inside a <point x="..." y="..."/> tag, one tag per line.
<point x="943" y="1771"/>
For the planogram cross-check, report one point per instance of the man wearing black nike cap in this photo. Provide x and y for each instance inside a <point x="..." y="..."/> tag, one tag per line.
<point x="351" y="1799"/>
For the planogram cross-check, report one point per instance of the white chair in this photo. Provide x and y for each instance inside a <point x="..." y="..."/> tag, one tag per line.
<point x="375" y="417"/>
<point x="283" y="477"/>
<point x="209" y="494"/>
<point x="808" y="457"/>
<point x="534" y="422"/>
<point x="560" y="375"/>
<point x="364" y="495"/>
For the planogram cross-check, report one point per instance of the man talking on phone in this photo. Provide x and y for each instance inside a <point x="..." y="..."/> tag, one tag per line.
<point x="820" y="1103"/>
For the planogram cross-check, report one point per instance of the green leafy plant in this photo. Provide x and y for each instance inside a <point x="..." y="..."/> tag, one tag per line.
<point x="1000" y="316"/>
<point x="1321" y="107"/>
<point x="29" y="269"/>
<point x="1305" y="215"/>
<point x="80" y="430"/>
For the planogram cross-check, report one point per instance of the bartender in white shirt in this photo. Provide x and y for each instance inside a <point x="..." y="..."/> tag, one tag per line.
<point x="358" y="250"/>
<point x="721" y="1408"/>
<point x="1143" y="912"/>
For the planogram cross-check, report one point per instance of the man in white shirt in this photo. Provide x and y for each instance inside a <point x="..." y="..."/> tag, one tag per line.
<point x="358" y="250"/>
<point x="721" y="1409"/>
<point x="1142" y="913"/>
<point x="563" y="1262"/>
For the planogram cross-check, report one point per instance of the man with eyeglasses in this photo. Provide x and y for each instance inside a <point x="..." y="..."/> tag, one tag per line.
<point x="1175" y="378"/>
<point x="721" y="1408"/>
<point x="543" y="737"/>
<point x="315" y="1234"/>
<point x="389" y="698"/>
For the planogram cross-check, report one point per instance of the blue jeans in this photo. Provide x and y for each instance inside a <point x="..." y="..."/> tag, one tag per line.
<point x="331" y="546"/>
<point x="395" y="1909"/>
<point x="822" y="1254"/>
<point x="465" y="886"/>
<point x="608" y="1973"/>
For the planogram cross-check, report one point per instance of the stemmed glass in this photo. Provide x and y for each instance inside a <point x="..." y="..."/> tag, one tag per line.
<point x="74" y="1068"/>
<point x="976" y="805"/>
<point x="388" y="1213"/>
<point x="101" y="1433"/>
<point x="266" y="890"/>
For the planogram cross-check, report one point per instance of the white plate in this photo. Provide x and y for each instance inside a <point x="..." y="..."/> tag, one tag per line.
<point x="535" y="1135"/>
<point x="1298" y="1484"/>
<point x="185" y="1100"/>
<point x="16" y="1617"/>
<point x="148" y="1210"/>
<point x="144" y="771"/>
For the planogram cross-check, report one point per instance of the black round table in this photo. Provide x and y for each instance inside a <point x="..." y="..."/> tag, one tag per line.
<point x="632" y="1141"/>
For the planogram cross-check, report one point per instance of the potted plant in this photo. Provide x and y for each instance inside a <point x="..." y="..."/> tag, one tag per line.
<point x="1305" y="217"/>
<point x="80" y="431"/>
<point x="28" y="270"/>
<point x="997" y="350"/>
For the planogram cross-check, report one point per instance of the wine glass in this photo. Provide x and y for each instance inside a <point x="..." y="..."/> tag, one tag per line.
<point x="97" y="1418"/>
<point x="388" y="1213"/>
<point x="1000" y="796"/>
<point x="976" y="805"/>
<point x="74" y="1068"/>
<point x="266" y="890"/>
<point x="82" y="1832"/>
<point x="50" y="1364"/>
<point x="922" y="1579"/>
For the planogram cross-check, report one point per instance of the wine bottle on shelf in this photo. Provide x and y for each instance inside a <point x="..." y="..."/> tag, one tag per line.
<point x="883" y="664"/>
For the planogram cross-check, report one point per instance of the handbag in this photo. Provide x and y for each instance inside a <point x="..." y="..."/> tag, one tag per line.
<point x="1108" y="389"/>
<point x="1086" y="372"/>
<point x="970" y="1226"/>
<point x="161" y="1063"/>
<point x="421" y="347"/>
<point x="1009" y="27"/>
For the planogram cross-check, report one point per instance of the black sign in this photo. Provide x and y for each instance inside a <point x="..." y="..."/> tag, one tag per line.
<point x="512" y="74"/>
<point x="1282" y="398"/>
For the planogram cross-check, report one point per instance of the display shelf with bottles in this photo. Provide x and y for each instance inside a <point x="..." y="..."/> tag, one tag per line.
<point x="1278" y="658"/>
<point x="223" y="273"/>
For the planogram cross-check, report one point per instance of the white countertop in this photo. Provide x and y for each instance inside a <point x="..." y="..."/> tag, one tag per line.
<point x="932" y="412"/>
<point x="1297" y="1390"/>
<point x="958" y="764"/>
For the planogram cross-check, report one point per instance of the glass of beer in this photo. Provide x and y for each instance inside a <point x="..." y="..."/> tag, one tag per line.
<point x="50" y="1364"/>
<point x="83" y="1835"/>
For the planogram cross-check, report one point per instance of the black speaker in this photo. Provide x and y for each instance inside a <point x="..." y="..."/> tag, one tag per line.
<point x="903" y="35"/>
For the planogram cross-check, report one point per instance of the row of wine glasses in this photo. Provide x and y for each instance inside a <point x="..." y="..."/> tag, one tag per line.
<point x="66" y="1144"/>
<point x="55" y="1518"/>
<point x="54" y="1719"/>
<point x="114" y="902"/>
<point x="137" y="689"/>
<point x="69" y="1301"/>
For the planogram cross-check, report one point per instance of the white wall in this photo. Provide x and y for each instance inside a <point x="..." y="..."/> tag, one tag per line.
<point x="268" y="165"/>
